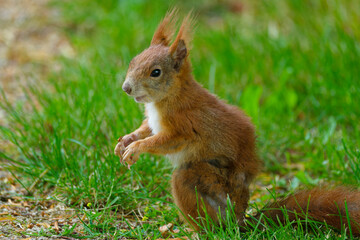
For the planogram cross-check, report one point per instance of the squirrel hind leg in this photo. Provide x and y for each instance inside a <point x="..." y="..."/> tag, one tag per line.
<point x="200" y="185"/>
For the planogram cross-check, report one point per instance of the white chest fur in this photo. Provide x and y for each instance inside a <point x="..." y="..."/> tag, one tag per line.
<point x="154" y="123"/>
<point x="154" y="118"/>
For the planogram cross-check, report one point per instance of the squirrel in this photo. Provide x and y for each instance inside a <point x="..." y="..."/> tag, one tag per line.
<point x="211" y="144"/>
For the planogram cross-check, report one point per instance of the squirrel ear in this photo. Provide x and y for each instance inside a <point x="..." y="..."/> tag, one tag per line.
<point x="179" y="49"/>
<point x="179" y="53"/>
<point x="166" y="29"/>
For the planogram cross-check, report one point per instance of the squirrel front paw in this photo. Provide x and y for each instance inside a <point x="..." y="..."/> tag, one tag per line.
<point x="123" y="142"/>
<point x="131" y="154"/>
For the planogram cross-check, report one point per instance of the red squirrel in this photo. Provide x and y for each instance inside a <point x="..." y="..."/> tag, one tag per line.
<point x="211" y="144"/>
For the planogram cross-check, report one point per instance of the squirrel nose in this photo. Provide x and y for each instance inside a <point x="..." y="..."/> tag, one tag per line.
<point x="126" y="88"/>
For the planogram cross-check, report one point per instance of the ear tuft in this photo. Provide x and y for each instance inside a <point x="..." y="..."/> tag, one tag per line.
<point x="179" y="49"/>
<point x="166" y="29"/>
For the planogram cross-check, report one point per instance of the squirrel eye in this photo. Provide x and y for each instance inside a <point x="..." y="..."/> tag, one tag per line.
<point x="155" y="73"/>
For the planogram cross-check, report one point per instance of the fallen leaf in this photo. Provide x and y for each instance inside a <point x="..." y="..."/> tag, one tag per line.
<point x="166" y="229"/>
<point x="56" y="227"/>
<point x="45" y="225"/>
<point x="4" y="219"/>
<point x="11" y="203"/>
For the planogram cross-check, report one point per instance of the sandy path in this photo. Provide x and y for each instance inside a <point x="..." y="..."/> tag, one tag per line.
<point x="30" y="41"/>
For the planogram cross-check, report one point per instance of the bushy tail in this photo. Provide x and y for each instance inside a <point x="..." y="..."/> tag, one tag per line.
<point x="338" y="207"/>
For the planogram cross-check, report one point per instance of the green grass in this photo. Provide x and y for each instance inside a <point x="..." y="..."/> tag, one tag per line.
<point x="293" y="66"/>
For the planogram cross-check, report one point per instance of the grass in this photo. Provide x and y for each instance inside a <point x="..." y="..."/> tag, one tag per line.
<point x="293" y="66"/>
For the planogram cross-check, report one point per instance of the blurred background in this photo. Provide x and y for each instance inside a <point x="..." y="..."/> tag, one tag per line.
<point x="293" y="66"/>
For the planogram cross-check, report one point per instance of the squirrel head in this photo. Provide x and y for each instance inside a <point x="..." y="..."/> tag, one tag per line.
<point x="155" y="73"/>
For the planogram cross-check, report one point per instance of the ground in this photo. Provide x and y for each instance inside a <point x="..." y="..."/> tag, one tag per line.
<point x="291" y="65"/>
<point x="30" y="41"/>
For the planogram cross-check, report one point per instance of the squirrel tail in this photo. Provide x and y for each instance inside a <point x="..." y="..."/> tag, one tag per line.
<point x="338" y="207"/>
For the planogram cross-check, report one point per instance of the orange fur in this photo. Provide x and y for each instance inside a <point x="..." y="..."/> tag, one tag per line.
<point x="320" y="204"/>
<point x="212" y="144"/>
<point x="166" y="29"/>
<point x="185" y="32"/>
